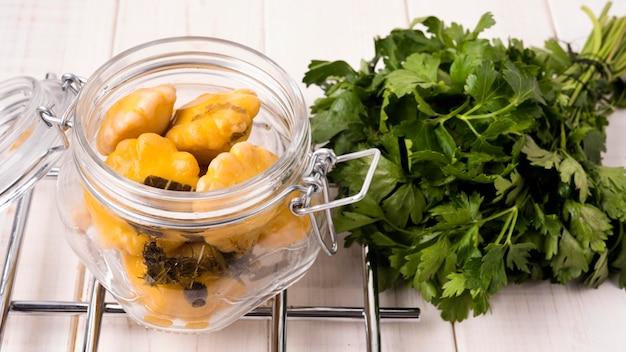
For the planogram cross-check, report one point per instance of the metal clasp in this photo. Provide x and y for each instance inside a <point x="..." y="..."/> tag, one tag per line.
<point x="315" y="182"/>
<point x="69" y="83"/>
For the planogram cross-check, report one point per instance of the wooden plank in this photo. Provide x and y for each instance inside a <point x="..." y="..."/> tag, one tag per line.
<point x="528" y="20"/>
<point x="47" y="270"/>
<point x="41" y="37"/>
<point x="146" y="20"/>
<point x="47" y="267"/>
<point x="337" y="281"/>
<point x="54" y="36"/>
<point x="122" y="334"/>
<point x="541" y="316"/>
<point x="431" y="333"/>
<point x="300" y="31"/>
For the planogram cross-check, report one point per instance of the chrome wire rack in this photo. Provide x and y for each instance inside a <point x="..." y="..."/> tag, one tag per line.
<point x="95" y="308"/>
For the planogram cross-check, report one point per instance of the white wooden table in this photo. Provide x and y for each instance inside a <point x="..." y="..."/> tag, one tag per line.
<point x="79" y="35"/>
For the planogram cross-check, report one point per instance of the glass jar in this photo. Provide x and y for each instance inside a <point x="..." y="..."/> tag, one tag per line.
<point x="197" y="261"/>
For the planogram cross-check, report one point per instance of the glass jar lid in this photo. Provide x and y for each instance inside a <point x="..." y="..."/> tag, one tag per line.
<point x="30" y="145"/>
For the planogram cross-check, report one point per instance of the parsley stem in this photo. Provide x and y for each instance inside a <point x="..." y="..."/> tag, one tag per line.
<point x="400" y="229"/>
<point x="506" y="225"/>
<point x="469" y="124"/>
<point x="504" y="110"/>
<point x="470" y="111"/>
<point x="467" y="117"/>
<point x="605" y="46"/>
<point x="511" y="226"/>
<point x="509" y="223"/>
<point x="595" y="39"/>
<point x="456" y="111"/>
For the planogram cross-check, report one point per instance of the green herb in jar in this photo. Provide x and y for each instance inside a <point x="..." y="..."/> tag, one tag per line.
<point x="163" y="183"/>
<point x="190" y="262"/>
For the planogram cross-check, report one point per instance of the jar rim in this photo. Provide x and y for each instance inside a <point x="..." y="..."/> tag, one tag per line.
<point x="296" y="152"/>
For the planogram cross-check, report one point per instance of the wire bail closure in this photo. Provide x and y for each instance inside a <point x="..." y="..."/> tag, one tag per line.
<point x="72" y="84"/>
<point x="314" y="182"/>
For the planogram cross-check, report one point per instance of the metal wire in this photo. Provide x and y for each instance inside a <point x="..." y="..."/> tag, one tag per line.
<point x="278" y="337"/>
<point x="112" y="309"/>
<point x="96" y="308"/>
<point x="12" y="257"/>
<point x="372" y="310"/>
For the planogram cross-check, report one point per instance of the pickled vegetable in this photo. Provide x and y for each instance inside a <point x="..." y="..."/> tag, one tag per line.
<point x="181" y="265"/>
<point x="115" y="233"/>
<point x="143" y="110"/>
<point x="23" y="138"/>
<point x="285" y="228"/>
<point x="244" y="98"/>
<point x="242" y="162"/>
<point x="197" y="303"/>
<point x="179" y="275"/>
<point x="151" y="157"/>
<point x="213" y="123"/>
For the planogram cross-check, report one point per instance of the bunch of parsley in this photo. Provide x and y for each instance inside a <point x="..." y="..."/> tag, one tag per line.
<point x="491" y="165"/>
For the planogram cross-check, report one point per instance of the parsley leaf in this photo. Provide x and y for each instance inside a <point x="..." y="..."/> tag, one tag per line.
<point x="569" y="168"/>
<point x="517" y="258"/>
<point x="480" y="84"/>
<point x="491" y="159"/>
